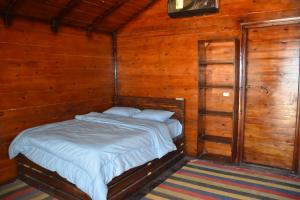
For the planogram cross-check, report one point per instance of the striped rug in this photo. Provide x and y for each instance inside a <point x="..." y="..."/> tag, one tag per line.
<point x="205" y="180"/>
<point x="19" y="190"/>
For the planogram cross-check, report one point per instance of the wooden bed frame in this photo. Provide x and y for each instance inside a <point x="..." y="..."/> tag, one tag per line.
<point x="121" y="186"/>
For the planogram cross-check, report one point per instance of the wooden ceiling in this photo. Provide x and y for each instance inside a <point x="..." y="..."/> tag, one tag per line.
<point x="106" y="16"/>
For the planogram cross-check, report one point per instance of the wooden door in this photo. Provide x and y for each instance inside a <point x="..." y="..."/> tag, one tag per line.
<point x="271" y="95"/>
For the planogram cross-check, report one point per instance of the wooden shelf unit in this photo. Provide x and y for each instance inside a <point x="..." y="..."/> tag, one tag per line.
<point x="218" y="99"/>
<point x="217" y="139"/>
<point x="217" y="158"/>
<point x="209" y="112"/>
<point x="215" y="62"/>
<point x="216" y="86"/>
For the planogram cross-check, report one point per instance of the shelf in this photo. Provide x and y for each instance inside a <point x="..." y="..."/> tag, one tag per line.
<point x="217" y="139"/>
<point x="208" y="112"/>
<point x="217" y="86"/>
<point x="216" y="157"/>
<point x="216" y="62"/>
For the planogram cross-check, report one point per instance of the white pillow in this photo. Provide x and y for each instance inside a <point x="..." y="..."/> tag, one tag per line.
<point x="155" y="115"/>
<point x="174" y="126"/>
<point x="122" y="111"/>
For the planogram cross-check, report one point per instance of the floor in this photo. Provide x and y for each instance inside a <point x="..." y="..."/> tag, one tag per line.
<point x="149" y="187"/>
<point x="200" y="179"/>
<point x="20" y="191"/>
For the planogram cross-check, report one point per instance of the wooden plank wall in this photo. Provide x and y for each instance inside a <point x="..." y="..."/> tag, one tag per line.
<point x="46" y="78"/>
<point x="157" y="55"/>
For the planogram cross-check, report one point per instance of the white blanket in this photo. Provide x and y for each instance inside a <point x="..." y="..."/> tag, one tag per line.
<point x="92" y="149"/>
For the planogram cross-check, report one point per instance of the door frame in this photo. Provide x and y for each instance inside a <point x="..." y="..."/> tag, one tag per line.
<point x="243" y="81"/>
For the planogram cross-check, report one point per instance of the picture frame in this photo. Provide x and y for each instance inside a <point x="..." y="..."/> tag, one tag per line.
<point x="186" y="8"/>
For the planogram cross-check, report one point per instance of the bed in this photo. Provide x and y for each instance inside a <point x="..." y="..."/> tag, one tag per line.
<point x="126" y="183"/>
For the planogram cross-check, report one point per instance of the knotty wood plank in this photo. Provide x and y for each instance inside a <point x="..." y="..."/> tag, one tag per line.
<point x="154" y="46"/>
<point x="48" y="78"/>
<point x="217" y="148"/>
<point x="218" y="126"/>
<point x="216" y="101"/>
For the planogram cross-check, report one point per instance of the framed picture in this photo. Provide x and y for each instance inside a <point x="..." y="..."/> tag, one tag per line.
<point x="185" y="8"/>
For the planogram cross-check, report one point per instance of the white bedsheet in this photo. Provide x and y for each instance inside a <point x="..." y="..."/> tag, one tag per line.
<point x="92" y="149"/>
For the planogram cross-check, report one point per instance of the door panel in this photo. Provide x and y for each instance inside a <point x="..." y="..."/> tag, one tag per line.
<point x="272" y="73"/>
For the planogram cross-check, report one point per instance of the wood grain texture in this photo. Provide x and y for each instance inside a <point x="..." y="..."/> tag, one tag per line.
<point x="157" y="55"/>
<point x="104" y="16"/>
<point x="218" y="126"/>
<point x="216" y="101"/>
<point x="272" y="95"/>
<point x="173" y="105"/>
<point x="219" y="74"/>
<point x="217" y="148"/>
<point x="47" y="78"/>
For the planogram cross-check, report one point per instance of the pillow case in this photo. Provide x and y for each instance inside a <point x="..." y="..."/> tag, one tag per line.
<point x="122" y="111"/>
<point x="155" y="115"/>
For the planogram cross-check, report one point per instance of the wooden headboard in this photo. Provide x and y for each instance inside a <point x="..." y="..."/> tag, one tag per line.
<point x="174" y="105"/>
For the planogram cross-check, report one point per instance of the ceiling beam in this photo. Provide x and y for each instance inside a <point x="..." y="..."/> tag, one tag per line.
<point x="56" y="21"/>
<point x="134" y="16"/>
<point x="106" y="14"/>
<point x="9" y="9"/>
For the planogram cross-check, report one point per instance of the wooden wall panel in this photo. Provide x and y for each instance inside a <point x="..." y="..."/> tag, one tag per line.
<point x="217" y="148"/>
<point x="220" y="74"/>
<point x="218" y="126"/>
<point x="47" y="78"/>
<point x="223" y="51"/>
<point x="216" y="99"/>
<point x="157" y="55"/>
